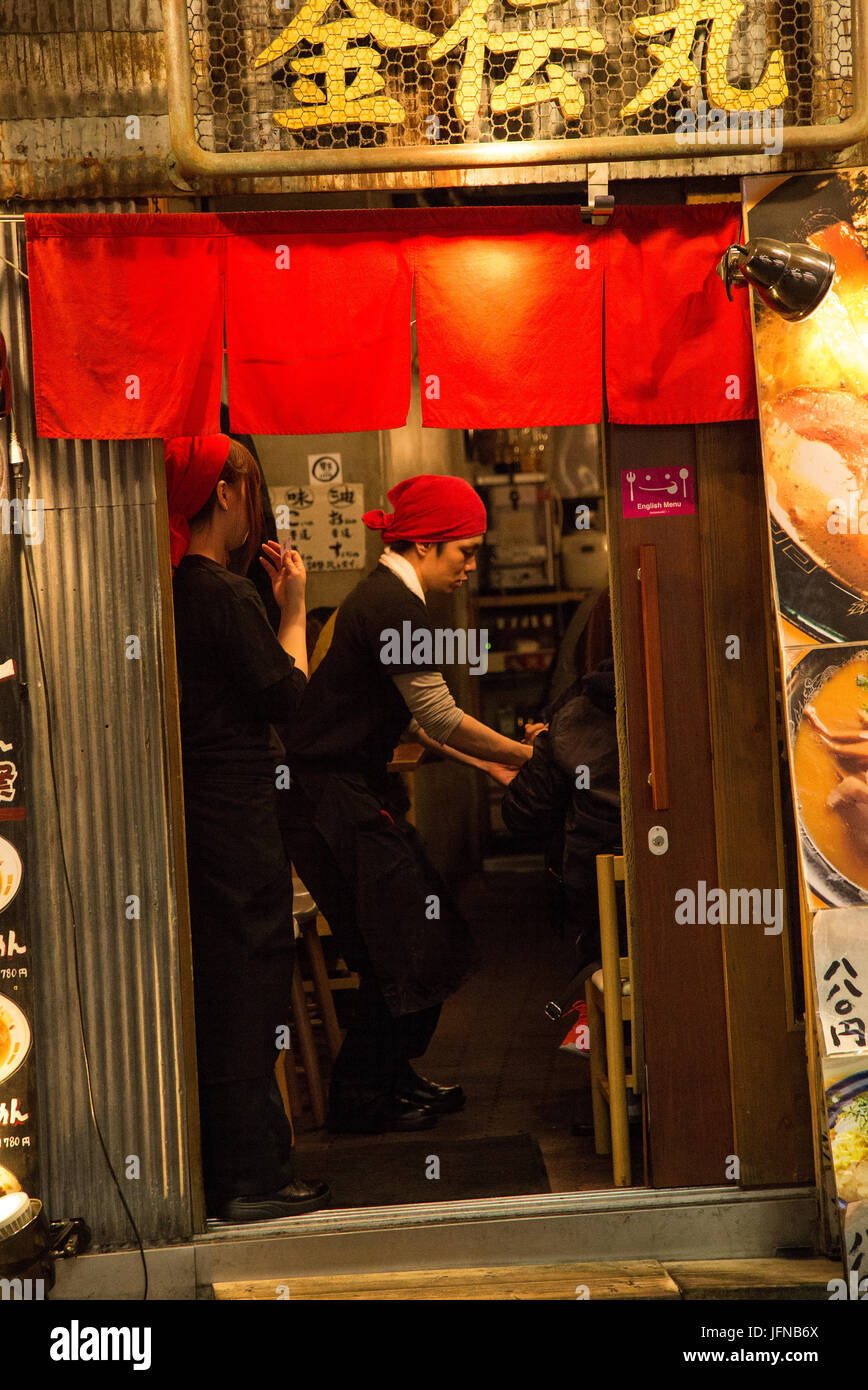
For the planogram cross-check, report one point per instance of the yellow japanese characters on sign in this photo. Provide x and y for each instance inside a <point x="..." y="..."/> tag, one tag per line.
<point x="340" y="103"/>
<point x="675" y="64"/>
<point x="533" y="46"/>
<point x="537" y="76"/>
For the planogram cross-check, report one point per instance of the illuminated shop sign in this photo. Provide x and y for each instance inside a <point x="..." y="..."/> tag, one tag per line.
<point x="290" y="85"/>
<point x="18" y="1155"/>
<point x="356" y="42"/>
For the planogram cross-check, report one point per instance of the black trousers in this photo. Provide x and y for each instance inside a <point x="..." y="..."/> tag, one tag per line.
<point x="394" y="921"/>
<point x="246" y="1136"/>
<point x="243" y="959"/>
<point x="374" y="1061"/>
<point x="246" y="1140"/>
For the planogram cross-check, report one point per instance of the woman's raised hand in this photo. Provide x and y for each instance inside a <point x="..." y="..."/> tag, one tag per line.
<point x="287" y="573"/>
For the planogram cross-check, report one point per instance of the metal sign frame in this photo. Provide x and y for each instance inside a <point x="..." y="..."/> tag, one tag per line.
<point x="190" y="159"/>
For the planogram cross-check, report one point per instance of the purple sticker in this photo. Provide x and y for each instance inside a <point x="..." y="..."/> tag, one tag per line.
<point x="657" y="491"/>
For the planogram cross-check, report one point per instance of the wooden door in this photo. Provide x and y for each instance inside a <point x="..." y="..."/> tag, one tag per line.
<point x="726" y="1068"/>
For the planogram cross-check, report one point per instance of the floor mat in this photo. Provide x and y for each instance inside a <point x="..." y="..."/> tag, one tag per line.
<point x="375" y="1175"/>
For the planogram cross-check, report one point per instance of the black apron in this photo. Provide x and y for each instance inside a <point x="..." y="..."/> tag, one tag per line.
<point x="391" y="913"/>
<point x="235" y="680"/>
<point x="241" y="922"/>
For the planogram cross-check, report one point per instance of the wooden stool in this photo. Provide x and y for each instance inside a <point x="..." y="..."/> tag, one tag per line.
<point x="612" y="998"/>
<point x="285" y="1067"/>
<point x="310" y="926"/>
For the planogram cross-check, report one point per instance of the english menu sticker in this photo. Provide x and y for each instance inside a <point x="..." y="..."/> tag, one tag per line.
<point x="658" y="491"/>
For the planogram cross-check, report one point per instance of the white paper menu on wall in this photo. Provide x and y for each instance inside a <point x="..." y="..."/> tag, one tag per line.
<point x="323" y="521"/>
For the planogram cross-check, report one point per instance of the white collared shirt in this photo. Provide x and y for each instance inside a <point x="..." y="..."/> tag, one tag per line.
<point x="401" y="566"/>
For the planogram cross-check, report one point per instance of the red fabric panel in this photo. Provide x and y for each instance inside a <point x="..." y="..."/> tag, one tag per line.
<point x="112" y="298"/>
<point x="677" y="350"/>
<point x="509" y="319"/>
<point x="317" y="328"/>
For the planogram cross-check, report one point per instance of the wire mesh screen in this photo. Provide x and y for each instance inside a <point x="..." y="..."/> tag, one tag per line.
<point x="341" y="74"/>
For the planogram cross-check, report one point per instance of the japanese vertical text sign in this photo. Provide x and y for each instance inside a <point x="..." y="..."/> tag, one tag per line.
<point x="18" y="1154"/>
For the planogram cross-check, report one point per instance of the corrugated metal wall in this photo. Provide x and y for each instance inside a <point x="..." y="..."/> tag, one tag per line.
<point x="96" y="579"/>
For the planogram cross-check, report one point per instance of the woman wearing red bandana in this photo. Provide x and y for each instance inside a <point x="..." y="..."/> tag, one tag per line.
<point x="389" y="910"/>
<point x="236" y="680"/>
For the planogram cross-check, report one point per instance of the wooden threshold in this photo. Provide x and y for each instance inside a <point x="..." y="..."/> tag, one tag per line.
<point x="769" y="1279"/>
<point x="602" y="1280"/>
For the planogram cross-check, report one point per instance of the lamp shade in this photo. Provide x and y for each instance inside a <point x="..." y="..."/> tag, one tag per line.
<point x="790" y="277"/>
<point x="15" y="1213"/>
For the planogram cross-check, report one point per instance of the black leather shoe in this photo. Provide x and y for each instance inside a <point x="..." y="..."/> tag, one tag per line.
<point x="400" y="1115"/>
<point x="442" y="1099"/>
<point x="299" y="1196"/>
<point x="411" y="1114"/>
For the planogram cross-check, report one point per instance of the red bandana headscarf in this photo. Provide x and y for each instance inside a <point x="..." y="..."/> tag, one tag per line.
<point x="430" y="508"/>
<point x="193" y="465"/>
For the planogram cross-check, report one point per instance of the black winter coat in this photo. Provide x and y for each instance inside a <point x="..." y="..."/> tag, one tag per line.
<point x="576" y="822"/>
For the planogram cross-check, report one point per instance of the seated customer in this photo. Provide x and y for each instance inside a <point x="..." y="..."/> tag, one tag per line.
<point x="568" y="795"/>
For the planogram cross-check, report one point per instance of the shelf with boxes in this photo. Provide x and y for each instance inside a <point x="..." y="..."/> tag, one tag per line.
<point x="524" y="630"/>
<point x="525" y="635"/>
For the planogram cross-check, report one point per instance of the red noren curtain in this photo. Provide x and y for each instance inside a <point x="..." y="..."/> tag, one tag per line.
<point x="317" y="328"/>
<point x="128" y="319"/>
<point x="677" y="351"/>
<point x="508" y="318"/>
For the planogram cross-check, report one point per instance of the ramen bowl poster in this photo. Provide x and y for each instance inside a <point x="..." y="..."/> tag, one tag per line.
<point x="845" y="1081"/>
<point x="812" y="385"/>
<point x="827" y="707"/>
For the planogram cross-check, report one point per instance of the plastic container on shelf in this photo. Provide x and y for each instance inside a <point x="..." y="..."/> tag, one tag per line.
<point x="585" y="560"/>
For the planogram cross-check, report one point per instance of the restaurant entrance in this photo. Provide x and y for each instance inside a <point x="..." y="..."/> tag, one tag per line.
<point x="723" y="1030"/>
<point x="702" y="1056"/>
<point x="538" y="603"/>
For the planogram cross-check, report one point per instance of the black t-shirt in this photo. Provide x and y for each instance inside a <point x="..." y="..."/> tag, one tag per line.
<point x="236" y="679"/>
<point x="352" y="714"/>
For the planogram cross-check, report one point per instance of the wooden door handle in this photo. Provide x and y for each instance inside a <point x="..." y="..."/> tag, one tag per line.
<point x="654" y="676"/>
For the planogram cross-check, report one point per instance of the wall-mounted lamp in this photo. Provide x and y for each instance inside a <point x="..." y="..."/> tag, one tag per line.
<point x="24" y="1234"/>
<point x="30" y="1245"/>
<point x="790" y="277"/>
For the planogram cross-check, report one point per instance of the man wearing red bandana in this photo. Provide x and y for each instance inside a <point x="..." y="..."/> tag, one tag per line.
<point x="391" y="913"/>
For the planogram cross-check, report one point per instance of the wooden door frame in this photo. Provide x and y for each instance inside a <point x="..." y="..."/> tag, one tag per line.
<point x="726" y="1063"/>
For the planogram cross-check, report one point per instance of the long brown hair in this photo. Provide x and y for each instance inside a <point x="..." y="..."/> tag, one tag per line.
<point x="240" y="468"/>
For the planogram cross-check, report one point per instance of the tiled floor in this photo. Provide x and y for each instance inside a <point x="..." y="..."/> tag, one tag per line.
<point x="495" y="1039"/>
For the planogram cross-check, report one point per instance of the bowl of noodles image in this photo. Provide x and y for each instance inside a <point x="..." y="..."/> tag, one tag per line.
<point x="827" y="697"/>
<point x="8" y="1182"/>
<point x="15" y="1038"/>
<point x="813" y="380"/>
<point x="847" y="1110"/>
